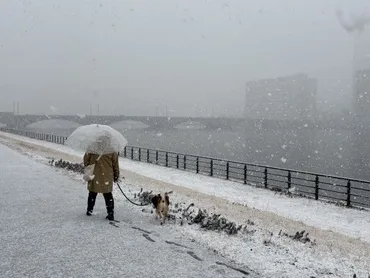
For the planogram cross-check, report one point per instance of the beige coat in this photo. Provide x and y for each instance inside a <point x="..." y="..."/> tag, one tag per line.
<point x="106" y="170"/>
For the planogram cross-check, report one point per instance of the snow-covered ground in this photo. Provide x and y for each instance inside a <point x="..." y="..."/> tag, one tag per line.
<point x="45" y="233"/>
<point x="342" y="235"/>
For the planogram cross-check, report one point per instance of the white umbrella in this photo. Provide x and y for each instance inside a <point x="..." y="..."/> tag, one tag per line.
<point x="96" y="139"/>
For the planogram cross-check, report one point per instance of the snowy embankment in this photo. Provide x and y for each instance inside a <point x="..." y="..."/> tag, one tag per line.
<point x="342" y="235"/>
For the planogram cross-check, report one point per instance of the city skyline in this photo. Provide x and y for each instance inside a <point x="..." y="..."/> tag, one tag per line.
<point x="193" y="57"/>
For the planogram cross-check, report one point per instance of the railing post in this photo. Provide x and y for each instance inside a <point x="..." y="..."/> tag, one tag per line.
<point x="348" y="193"/>
<point x="227" y="170"/>
<point x="177" y="161"/>
<point x="132" y="153"/>
<point x="245" y="173"/>
<point x="166" y="159"/>
<point x="317" y="182"/>
<point x="184" y="162"/>
<point x="125" y="152"/>
<point x="197" y="164"/>
<point x="289" y="180"/>
<point x="147" y="155"/>
<point x="139" y="154"/>
<point x="211" y="168"/>
<point x="265" y="179"/>
<point x="156" y="156"/>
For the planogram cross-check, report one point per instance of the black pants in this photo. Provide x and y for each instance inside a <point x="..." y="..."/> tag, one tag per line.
<point x="109" y="202"/>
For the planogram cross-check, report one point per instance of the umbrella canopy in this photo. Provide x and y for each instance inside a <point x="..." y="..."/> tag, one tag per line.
<point x="96" y="139"/>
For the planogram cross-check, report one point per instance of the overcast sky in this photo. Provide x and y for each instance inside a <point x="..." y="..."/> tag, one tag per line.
<point x="191" y="55"/>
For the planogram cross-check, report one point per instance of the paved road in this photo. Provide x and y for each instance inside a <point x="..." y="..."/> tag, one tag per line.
<point x="45" y="233"/>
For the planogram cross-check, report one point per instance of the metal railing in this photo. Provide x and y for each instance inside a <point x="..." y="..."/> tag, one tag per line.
<point x="346" y="191"/>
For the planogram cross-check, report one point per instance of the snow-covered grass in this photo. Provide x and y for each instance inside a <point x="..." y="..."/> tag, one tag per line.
<point x="342" y="251"/>
<point x="317" y="214"/>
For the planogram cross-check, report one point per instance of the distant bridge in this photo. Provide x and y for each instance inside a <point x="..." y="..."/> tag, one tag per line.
<point x="22" y="121"/>
<point x="212" y="123"/>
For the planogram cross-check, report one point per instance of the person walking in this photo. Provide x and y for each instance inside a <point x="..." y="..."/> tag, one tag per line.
<point x="106" y="172"/>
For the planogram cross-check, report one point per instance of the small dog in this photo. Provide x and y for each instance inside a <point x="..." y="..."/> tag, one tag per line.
<point x="161" y="203"/>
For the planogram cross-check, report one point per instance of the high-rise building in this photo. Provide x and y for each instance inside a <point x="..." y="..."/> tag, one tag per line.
<point x="362" y="94"/>
<point x="361" y="54"/>
<point x="283" y="98"/>
<point x="361" y="78"/>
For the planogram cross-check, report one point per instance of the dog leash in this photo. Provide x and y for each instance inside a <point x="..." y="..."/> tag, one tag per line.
<point x="139" y="205"/>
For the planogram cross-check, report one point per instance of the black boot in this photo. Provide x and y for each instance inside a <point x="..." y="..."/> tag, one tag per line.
<point x="91" y="202"/>
<point x="109" y="203"/>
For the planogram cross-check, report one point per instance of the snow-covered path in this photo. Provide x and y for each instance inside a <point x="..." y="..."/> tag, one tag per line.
<point x="45" y="233"/>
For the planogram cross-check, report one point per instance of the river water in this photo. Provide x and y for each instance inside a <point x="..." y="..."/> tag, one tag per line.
<point x="332" y="152"/>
